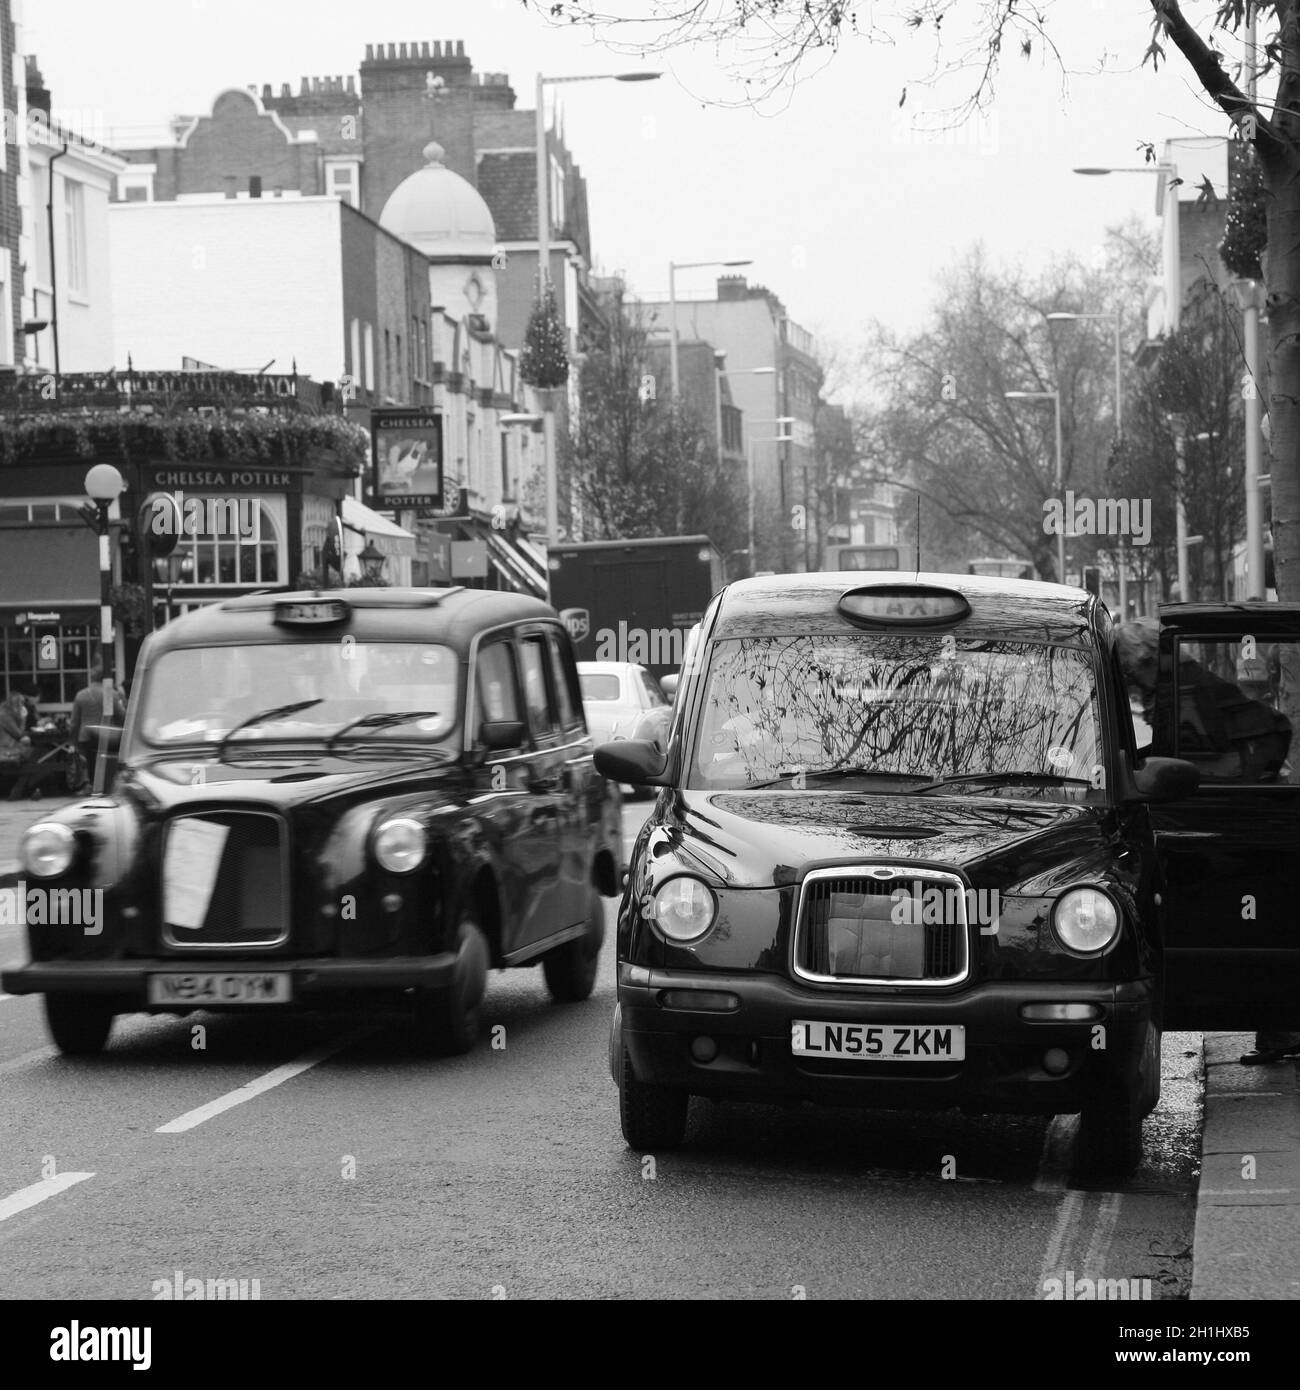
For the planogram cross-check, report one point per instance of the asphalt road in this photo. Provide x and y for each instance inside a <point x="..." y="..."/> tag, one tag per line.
<point x="321" y="1159"/>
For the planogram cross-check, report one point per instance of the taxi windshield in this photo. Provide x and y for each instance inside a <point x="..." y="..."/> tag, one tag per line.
<point x="887" y="707"/>
<point x="301" y="691"/>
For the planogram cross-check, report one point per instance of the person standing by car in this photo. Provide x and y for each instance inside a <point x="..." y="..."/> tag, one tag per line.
<point x="88" y="716"/>
<point x="15" y="741"/>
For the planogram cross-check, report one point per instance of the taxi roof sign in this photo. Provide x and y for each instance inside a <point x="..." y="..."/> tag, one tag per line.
<point x="902" y="605"/>
<point x="317" y="612"/>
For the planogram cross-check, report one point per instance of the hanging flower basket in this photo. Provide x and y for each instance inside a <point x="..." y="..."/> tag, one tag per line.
<point x="130" y="605"/>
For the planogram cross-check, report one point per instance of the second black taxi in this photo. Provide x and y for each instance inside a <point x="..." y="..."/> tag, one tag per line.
<point x="906" y="852"/>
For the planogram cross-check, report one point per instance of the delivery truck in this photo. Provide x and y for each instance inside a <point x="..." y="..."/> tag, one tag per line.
<point x="635" y="600"/>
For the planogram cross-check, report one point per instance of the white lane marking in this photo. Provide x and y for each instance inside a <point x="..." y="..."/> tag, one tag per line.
<point x="1062" y="1237"/>
<point x="252" y="1089"/>
<point x="26" y="1058"/>
<point x="1054" y="1162"/>
<point x="1094" y="1260"/>
<point x="39" y="1192"/>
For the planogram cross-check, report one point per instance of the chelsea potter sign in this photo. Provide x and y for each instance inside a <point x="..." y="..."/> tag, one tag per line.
<point x="406" y="458"/>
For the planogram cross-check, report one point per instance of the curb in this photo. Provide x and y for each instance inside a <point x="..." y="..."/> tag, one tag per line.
<point x="1247" y="1240"/>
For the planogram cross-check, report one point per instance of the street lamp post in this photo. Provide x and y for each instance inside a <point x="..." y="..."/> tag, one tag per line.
<point x="1054" y="396"/>
<point x="673" y="268"/>
<point x="1167" y="172"/>
<point x="1119" y="431"/>
<point x="104" y="485"/>
<point x="782" y="421"/>
<point x="544" y="256"/>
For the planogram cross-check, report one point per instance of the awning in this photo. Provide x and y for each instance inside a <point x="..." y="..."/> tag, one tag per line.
<point x="518" y="569"/>
<point x="386" y="536"/>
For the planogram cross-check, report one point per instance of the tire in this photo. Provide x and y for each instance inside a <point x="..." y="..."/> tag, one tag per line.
<point x="78" y="1023"/>
<point x="1110" y="1138"/>
<point x="447" y="1023"/>
<point x="570" y="969"/>
<point x="653" y="1117"/>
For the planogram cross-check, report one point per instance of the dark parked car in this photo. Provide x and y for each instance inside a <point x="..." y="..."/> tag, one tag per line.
<point x="362" y="798"/>
<point x="905" y="853"/>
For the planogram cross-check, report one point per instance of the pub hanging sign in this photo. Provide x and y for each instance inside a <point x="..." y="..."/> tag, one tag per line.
<point x="406" y="458"/>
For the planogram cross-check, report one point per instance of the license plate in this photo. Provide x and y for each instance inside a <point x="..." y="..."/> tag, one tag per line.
<point x="213" y="987"/>
<point x="879" y="1042"/>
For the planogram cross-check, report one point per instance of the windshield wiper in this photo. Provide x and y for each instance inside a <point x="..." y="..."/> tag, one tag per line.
<point x="1002" y="779"/>
<point x="279" y="712"/>
<point x="848" y="770"/>
<point x="380" y="719"/>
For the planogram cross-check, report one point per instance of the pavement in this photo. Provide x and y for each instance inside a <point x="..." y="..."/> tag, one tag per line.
<point x="1247" y="1233"/>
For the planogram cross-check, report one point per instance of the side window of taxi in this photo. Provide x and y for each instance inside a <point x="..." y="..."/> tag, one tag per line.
<point x="542" y="718"/>
<point x="494" y="679"/>
<point x="564" y="677"/>
<point x="1230" y="720"/>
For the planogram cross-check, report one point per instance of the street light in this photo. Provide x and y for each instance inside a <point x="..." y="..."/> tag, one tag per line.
<point x="673" y="268"/>
<point x="782" y="421"/>
<point x="1063" y="317"/>
<point x="372" y="559"/>
<point x="544" y="258"/>
<point x="1060" y="530"/>
<point x="104" y="485"/>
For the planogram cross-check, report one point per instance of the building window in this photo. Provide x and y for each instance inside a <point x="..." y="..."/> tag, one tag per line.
<point x="136" y="186"/>
<point x="40" y="202"/>
<point x="6" y="314"/>
<point x="343" y="180"/>
<point x="416" y="373"/>
<point x="388" y="362"/>
<point x="557" y="195"/>
<point x="254" y="185"/>
<point x="354" y="351"/>
<point x="399" y="364"/>
<point x="53" y="671"/>
<point x="227" y="560"/>
<point x="369" y="381"/>
<point x="74" y="213"/>
<point x="505" y="464"/>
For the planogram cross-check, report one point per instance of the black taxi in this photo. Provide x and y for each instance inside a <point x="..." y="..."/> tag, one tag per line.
<point x="907" y="852"/>
<point x="366" y="797"/>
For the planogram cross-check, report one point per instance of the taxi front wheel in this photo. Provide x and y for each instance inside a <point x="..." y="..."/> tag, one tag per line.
<point x="448" y="1022"/>
<point x="653" y="1117"/>
<point x="78" y="1023"/>
<point x="570" y="969"/>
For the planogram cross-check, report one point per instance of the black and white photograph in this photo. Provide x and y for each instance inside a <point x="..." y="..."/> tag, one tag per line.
<point x="721" y="723"/>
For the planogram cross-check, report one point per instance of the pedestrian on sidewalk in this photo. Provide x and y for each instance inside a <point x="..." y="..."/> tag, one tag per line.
<point x="88" y="717"/>
<point x="16" y="742"/>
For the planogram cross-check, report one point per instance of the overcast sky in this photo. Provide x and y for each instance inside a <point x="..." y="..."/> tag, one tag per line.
<point x="846" y="212"/>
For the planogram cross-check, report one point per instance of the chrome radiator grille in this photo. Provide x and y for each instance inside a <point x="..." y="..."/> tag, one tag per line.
<point x="225" y="880"/>
<point x="882" y="925"/>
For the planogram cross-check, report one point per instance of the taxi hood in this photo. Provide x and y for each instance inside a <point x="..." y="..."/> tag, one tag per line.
<point x="760" y="839"/>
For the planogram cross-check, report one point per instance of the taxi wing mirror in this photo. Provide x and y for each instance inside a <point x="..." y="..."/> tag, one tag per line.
<point x="668" y="684"/>
<point x="637" y="761"/>
<point x="1161" y="779"/>
<point x="501" y="733"/>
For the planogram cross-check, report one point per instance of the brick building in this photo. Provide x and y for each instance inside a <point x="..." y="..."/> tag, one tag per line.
<point x="357" y="141"/>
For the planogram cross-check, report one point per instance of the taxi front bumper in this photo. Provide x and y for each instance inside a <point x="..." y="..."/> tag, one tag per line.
<point x="1003" y="1069"/>
<point x="312" y="983"/>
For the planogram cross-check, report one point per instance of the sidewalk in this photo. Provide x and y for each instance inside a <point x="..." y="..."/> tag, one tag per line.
<point x="1247" y="1242"/>
<point x="15" y="817"/>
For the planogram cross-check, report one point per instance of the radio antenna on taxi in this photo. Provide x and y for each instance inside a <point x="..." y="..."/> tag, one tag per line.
<point x="918" y="535"/>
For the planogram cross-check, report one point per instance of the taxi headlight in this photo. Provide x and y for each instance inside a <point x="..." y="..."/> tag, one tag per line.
<point x="1085" y="920"/>
<point x="400" y="844"/>
<point x="47" y="849"/>
<point x="683" y="908"/>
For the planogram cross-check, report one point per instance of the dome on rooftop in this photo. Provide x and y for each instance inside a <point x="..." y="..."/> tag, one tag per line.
<point x="440" y="213"/>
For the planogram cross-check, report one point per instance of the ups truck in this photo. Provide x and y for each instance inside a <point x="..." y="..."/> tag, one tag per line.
<point x="635" y="600"/>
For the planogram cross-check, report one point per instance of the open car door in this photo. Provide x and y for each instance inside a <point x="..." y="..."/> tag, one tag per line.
<point x="1228" y="700"/>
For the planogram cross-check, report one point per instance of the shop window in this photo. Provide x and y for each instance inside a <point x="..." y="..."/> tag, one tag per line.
<point x="48" y="660"/>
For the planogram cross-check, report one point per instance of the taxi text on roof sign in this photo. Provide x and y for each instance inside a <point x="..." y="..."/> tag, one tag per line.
<point x="313" y="613"/>
<point x="911" y="604"/>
